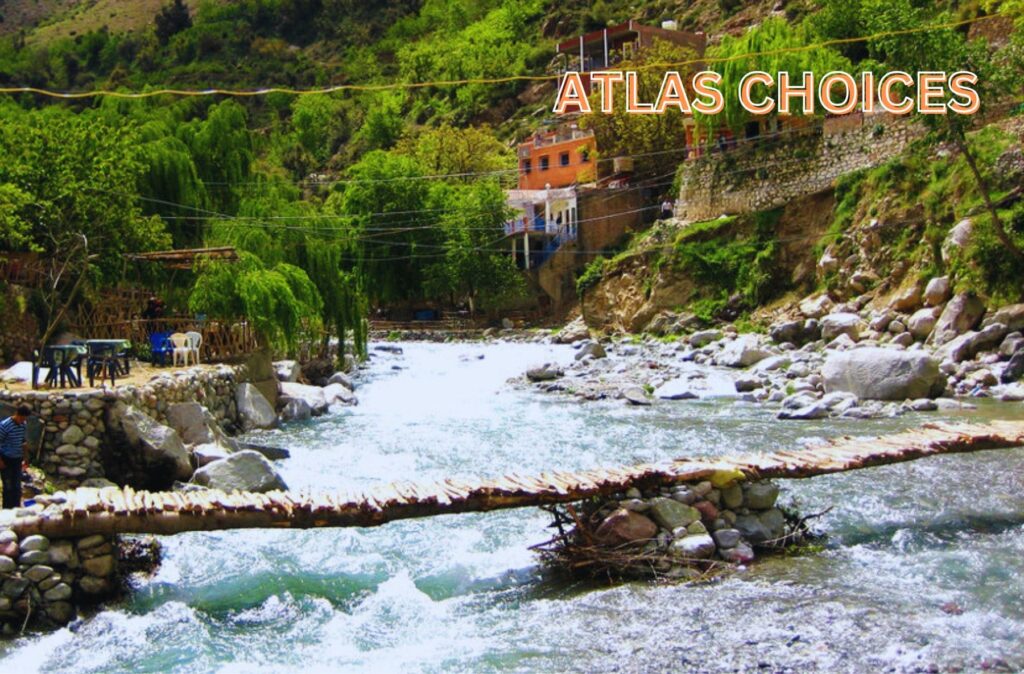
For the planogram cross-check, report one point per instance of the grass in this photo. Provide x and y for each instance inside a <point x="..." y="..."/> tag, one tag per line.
<point x="86" y="16"/>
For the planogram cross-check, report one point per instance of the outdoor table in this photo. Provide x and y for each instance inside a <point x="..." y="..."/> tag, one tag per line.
<point x="59" y="358"/>
<point x="116" y="347"/>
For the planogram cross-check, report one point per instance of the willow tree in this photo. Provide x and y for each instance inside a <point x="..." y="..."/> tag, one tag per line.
<point x="776" y="47"/>
<point x="280" y="301"/>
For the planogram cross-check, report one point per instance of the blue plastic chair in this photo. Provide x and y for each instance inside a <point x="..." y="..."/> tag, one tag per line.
<point x="160" y="347"/>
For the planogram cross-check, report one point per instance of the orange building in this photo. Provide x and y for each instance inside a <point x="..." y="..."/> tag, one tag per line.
<point x="557" y="158"/>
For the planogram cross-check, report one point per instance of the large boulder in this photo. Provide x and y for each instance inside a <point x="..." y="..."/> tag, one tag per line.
<point x="1012" y="316"/>
<point x="312" y="396"/>
<point x="242" y="471"/>
<point x="834" y="325"/>
<point x="545" y="372"/>
<point x="1014" y="370"/>
<point x="254" y="410"/>
<point x="883" y="374"/>
<point x="592" y="349"/>
<point x="743" y="351"/>
<point x="160" y="448"/>
<point x="343" y="379"/>
<point x="196" y="425"/>
<point x="963" y="313"/>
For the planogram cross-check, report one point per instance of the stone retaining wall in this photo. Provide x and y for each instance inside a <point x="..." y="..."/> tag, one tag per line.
<point x="75" y="433"/>
<point x="43" y="582"/>
<point x="756" y="178"/>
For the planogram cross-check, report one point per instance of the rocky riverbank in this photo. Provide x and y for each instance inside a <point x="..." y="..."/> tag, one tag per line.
<point x="834" y="360"/>
<point x="678" y="533"/>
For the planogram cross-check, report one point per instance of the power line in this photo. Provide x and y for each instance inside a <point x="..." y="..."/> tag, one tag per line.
<point x="96" y="93"/>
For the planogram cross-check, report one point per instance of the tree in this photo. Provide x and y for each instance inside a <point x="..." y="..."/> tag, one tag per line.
<point x="171" y="20"/>
<point x="464" y="153"/>
<point x="942" y="49"/>
<point x="473" y="267"/>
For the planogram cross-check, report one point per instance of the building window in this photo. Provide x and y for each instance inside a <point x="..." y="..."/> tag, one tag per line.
<point x="544" y="163"/>
<point x="563" y="159"/>
<point x="585" y="155"/>
<point x="527" y="166"/>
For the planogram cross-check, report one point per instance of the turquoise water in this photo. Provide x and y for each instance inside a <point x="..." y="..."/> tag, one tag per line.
<point x="464" y="594"/>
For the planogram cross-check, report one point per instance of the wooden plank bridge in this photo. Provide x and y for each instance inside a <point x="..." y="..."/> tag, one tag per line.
<point x="113" y="510"/>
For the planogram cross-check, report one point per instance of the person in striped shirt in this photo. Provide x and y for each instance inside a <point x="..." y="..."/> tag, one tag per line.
<point x="12" y="452"/>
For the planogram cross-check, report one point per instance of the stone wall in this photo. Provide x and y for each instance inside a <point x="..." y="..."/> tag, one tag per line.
<point x="76" y="445"/>
<point x="761" y="177"/>
<point x="43" y="582"/>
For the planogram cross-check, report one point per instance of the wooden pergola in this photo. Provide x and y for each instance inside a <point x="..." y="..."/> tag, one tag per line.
<point x="185" y="258"/>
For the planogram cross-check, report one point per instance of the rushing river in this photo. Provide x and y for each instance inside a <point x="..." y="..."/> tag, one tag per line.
<point x="923" y="564"/>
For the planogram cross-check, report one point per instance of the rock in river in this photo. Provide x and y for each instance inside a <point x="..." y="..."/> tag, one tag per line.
<point x="883" y="374"/>
<point x="253" y="408"/>
<point x="245" y="471"/>
<point x="624" y="526"/>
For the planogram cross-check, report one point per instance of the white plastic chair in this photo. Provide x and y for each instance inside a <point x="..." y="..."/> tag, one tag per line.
<point x="195" y="340"/>
<point x="180" y="348"/>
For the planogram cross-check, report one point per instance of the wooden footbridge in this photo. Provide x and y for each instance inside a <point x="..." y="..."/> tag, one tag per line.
<point x="114" y="510"/>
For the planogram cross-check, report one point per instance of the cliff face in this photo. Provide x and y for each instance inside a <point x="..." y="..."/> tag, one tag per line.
<point x="676" y="266"/>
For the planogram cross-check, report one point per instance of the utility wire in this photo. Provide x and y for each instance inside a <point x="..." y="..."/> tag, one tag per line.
<point x="468" y="81"/>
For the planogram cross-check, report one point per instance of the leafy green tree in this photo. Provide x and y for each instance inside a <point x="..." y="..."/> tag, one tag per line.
<point x="943" y="49"/>
<point x="280" y="301"/>
<point x="466" y="153"/>
<point x="473" y="266"/>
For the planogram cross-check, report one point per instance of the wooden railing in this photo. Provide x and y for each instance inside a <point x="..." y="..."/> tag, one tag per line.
<point x="222" y="341"/>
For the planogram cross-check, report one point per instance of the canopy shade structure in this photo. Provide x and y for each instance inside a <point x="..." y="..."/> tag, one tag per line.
<point x="186" y="257"/>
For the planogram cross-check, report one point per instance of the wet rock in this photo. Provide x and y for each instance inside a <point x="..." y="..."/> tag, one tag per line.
<point x="774" y="522"/>
<point x="336" y="394"/>
<point x="815" y="410"/>
<point x="700" y="546"/>
<point x="937" y="291"/>
<point x="625" y="526"/>
<point x="207" y="454"/>
<point x="313" y="397"/>
<point x="634" y="395"/>
<point x="923" y="405"/>
<point x="254" y="410"/>
<point x="883" y="374"/>
<point x="14" y="587"/>
<point x="963" y="313"/>
<point x="546" y="372"/>
<point x="727" y="538"/>
<point x="296" y="410"/>
<point x="752" y="529"/>
<point x="741" y="554"/>
<point x="343" y="379"/>
<point x="7" y="565"/>
<point x="670" y="514"/>
<point x="246" y="470"/>
<point x="761" y="495"/>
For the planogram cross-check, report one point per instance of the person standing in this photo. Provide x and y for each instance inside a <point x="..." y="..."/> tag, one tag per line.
<point x="12" y="453"/>
<point x="667" y="209"/>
